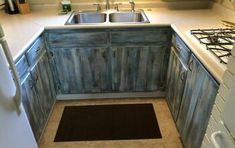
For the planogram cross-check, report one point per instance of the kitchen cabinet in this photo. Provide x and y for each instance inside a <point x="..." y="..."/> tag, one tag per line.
<point x="38" y="93"/>
<point x="44" y="86"/>
<point x="176" y="78"/>
<point x="198" y="99"/>
<point x="109" y="60"/>
<point x="82" y="69"/>
<point x="31" y="105"/>
<point x="139" y="68"/>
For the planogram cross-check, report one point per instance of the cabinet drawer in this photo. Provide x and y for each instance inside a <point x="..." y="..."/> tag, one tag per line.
<point x="22" y="67"/>
<point x="181" y="48"/>
<point x="140" y="36"/>
<point x="34" y="52"/>
<point x="76" y="38"/>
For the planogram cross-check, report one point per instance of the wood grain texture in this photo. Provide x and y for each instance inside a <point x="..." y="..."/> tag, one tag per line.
<point x="198" y="99"/>
<point x="140" y="36"/>
<point x="138" y="68"/>
<point x="34" y="51"/>
<point x="30" y="105"/>
<point x="176" y="78"/>
<point x="38" y="91"/>
<point x="133" y="59"/>
<point x="22" y="67"/>
<point x="76" y="38"/>
<point x="82" y="70"/>
<point x="181" y="48"/>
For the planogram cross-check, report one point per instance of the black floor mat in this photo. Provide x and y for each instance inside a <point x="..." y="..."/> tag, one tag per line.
<point x="108" y="122"/>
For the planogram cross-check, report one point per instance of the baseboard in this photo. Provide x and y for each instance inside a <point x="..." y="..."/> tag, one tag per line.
<point x="156" y="94"/>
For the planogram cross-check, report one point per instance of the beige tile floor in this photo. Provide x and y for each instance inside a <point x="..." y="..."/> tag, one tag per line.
<point x="170" y="136"/>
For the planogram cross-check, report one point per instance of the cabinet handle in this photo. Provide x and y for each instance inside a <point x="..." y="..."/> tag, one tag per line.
<point x="36" y="79"/>
<point x="50" y="54"/>
<point x="38" y="49"/>
<point x="178" y="47"/>
<point x="190" y="65"/>
<point x="34" y="82"/>
<point x="182" y="76"/>
<point x="31" y="84"/>
<point x="213" y="140"/>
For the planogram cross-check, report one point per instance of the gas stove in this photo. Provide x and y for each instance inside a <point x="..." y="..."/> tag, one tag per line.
<point x="218" y="41"/>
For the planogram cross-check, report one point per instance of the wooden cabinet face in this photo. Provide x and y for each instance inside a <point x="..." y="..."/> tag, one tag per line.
<point x="82" y="70"/>
<point x="198" y="99"/>
<point x="29" y="101"/>
<point x="138" y="68"/>
<point x="120" y="60"/>
<point x="176" y="78"/>
<point x="38" y="95"/>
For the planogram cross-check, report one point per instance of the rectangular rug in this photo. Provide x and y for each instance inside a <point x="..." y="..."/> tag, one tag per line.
<point x="108" y="122"/>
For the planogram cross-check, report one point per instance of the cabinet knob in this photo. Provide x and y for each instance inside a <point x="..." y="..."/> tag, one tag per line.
<point x="190" y="65"/>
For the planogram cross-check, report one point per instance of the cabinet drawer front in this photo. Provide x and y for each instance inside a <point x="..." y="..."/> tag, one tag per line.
<point x="68" y="38"/>
<point x="22" y="67"/>
<point x="140" y="36"/>
<point x="181" y="48"/>
<point x="34" y="52"/>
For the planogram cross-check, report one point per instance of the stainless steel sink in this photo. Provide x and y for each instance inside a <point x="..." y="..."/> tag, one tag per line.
<point x="94" y="17"/>
<point x="128" y="17"/>
<point x="86" y="17"/>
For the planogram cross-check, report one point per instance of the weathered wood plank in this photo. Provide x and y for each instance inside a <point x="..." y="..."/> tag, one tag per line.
<point x="139" y="64"/>
<point x="87" y="69"/>
<point x="138" y="68"/>
<point x="175" y="83"/>
<point x="75" y="38"/>
<point x="198" y="99"/>
<point x="140" y="36"/>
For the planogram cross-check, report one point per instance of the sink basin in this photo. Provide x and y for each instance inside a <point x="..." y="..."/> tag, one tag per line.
<point x="128" y="17"/>
<point x="94" y="17"/>
<point x="86" y="17"/>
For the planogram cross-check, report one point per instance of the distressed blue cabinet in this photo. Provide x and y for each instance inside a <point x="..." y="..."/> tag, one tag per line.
<point x="109" y="60"/>
<point x="198" y="99"/>
<point x="38" y="93"/>
<point x="82" y="70"/>
<point x="176" y="78"/>
<point x="139" y="68"/>
<point x="31" y="105"/>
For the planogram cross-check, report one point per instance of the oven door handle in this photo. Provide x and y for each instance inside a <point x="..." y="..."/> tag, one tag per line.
<point x="213" y="138"/>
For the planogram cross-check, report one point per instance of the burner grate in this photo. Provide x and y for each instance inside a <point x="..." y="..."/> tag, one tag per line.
<point x="218" y="41"/>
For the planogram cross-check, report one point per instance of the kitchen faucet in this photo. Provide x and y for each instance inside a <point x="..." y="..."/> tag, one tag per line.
<point x="107" y="5"/>
<point x="132" y="5"/>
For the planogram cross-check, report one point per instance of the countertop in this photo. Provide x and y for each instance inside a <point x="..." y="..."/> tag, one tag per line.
<point x="22" y="30"/>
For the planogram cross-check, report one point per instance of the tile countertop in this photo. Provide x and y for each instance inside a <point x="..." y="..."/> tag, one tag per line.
<point x="22" y="30"/>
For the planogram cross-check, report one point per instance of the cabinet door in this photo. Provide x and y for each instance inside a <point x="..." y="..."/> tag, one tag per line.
<point x="32" y="105"/>
<point x="45" y="85"/>
<point x="198" y="99"/>
<point x="138" y="68"/>
<point x="175" y="83"/>
<point x="82" y="70"/>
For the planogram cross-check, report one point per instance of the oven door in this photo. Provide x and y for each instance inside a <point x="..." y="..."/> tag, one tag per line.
<point x="224" y="136"/>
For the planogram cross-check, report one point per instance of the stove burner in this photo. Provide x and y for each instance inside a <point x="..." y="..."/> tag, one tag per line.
<point x="218" y="41"/>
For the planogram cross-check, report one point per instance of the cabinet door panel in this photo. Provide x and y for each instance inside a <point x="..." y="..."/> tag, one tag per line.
<point x="138" y="68"/>
<point x="29" y="99"/>
<point x="45" y="85"/>
<point x="198" y="99"/>
<point x="82" y="70"/>
<point x="175" y="83"/>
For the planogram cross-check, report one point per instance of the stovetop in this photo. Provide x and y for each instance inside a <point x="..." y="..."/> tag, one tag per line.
<point x="218" y="41"/>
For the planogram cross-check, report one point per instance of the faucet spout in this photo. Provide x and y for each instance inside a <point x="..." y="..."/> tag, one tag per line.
<point x="132" y="5"/>
<point x="107" y="5"/>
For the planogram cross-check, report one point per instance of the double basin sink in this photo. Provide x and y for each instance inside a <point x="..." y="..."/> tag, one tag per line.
<point x="94" y="17"/>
